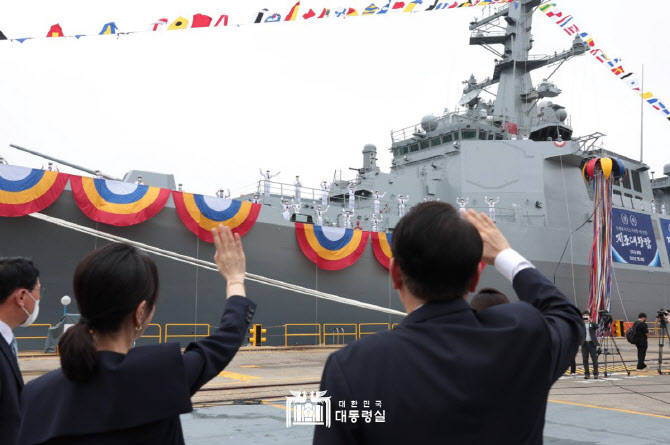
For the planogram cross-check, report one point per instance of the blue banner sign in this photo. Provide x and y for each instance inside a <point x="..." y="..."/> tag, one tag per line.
<point x="633" y="238"/>
<point x="665" y="229"/>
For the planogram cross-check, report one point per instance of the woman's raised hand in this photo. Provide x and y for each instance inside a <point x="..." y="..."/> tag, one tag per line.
<point x="230" y="259"/>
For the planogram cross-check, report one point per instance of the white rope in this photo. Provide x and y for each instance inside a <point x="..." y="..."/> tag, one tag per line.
<point x="211" y="266"/>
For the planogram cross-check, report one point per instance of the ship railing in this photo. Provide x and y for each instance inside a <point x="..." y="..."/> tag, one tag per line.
<point x="30" y="339"/>
<point x="376" y="327"/>
<point x="302" y="327"/>
<point x="158" y="336"/>
<point x="417" y="132"/>
<point x="338" y="332"/>
<point x="193" y="332"/>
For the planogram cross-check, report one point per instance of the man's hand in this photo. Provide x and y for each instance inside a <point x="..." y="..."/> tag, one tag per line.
<point x="494" y="241"/>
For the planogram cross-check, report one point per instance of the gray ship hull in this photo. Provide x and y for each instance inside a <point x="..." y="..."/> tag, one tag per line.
<point x="191" y="295"/>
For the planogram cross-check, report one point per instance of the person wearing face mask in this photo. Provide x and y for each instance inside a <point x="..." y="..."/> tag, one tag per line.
<point x="590" y="346"/>
<point x="19" y="305"/>
<point x="110" y="393"/>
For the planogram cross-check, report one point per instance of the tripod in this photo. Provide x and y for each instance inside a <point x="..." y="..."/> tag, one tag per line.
<point x="661" y="341"/>
<point x="605" y="340"/>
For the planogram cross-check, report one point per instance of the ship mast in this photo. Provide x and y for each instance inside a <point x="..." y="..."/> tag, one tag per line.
<point x="516" y="97"/>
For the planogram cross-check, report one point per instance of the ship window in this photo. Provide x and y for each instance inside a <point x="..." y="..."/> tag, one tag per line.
<point x="414" y="147"/>
<point x="405" y="149"/>
<point x="469" y="134"/>
<point x="425" y="144"/>
<point x="617" y="198"/>
<point x="499" y="137"/>
<point x="636" y="181"/>
<point x="629" y="200"/>
<point x="457" y="136"/>
<point x="626" y="182"/>
<point x="482" y="135"/>
<point x="435" y="142"/>
<point x="446" y="138"/>
<point x="617" y="181"/>
<point x="491" y="136"/>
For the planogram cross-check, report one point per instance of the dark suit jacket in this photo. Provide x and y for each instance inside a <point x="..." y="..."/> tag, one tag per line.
<point x="135" y="398"/>
<point x="448" y="374"/>
<point x="11" y="384"/>
<point x="593" y="328"/>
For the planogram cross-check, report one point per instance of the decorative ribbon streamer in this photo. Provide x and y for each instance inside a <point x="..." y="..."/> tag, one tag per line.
<point x="202" y="213"/>
<point x="331" y="248"/>
<point x="264" y="16"/>
<point x="613" y="64"/>
<point x="117" y="203"/>
<point x="601" y="173"/>
<point x="25" y="190"/>
<point x="381" y="246"/>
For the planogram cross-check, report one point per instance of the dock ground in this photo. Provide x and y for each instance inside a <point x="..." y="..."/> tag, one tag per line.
<point x="246" y="403"/>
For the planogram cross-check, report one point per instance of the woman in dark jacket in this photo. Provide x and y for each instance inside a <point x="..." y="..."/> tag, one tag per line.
<point x="108" y="393"/>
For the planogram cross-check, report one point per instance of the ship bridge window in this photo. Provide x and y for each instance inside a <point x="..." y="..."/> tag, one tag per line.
<point x="628" y="202"/>
<point x="482" y="135"/>
<point x="491" y="136"/>
<point x="626" y="182"/>
<point x="469" y="134"/>
<point x="424" y="144"/>
<point x="636" y="181"/>
<point x="617" y="181"/>
<point x="499" y="137"/>
<point x="456" y="135"/>
<point x="413" y="148"/>
<point x="617" y="198"/>
<point x="446" y="138"/>
<point x="435" y="142"/>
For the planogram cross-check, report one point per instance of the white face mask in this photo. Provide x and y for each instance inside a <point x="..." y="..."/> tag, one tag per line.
<point x="31" y="317"/>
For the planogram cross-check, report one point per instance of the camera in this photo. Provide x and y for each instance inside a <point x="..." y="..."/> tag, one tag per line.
<point x="605" y="318"/>
<point x="662" y="315"/>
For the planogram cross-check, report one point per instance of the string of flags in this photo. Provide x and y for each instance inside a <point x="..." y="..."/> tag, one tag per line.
<point x="267" y="16"/>
<point x="613" y="64"/>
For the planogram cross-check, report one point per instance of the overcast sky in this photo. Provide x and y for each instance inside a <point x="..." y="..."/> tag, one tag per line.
<point x="214" y="105"/>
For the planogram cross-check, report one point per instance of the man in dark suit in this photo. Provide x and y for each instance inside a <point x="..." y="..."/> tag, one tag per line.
<point x="641" y="331"/>
<point x="448" y="373"/>
<point x="590" y="346"/>
<point x="19" y="305"/>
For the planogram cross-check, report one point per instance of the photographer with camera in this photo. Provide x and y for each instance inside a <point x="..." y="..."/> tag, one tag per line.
<point x="589" y="346"/>
<point x="641" y="330"/>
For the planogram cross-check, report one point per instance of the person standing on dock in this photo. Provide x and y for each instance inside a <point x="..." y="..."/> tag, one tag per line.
<point x="590" y="346"/>
<point x="266" y="183"/>
<point x="433" y="379"/>
<point x="19" y="305"/>
<point x="641" y="343"/>
<point x="106" y="391"/>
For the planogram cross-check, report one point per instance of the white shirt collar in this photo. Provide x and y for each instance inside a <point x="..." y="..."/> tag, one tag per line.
<point x="6" y="332"/>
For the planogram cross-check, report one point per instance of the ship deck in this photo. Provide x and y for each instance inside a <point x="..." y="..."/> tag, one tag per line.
<point x="246" y="402"/>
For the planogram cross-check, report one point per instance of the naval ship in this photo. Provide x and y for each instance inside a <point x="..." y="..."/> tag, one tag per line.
<point x="517" y="153"/>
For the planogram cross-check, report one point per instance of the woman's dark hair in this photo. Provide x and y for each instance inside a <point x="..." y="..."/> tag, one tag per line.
<point x="109" y="284"/>
<point x="437" y="250"/>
